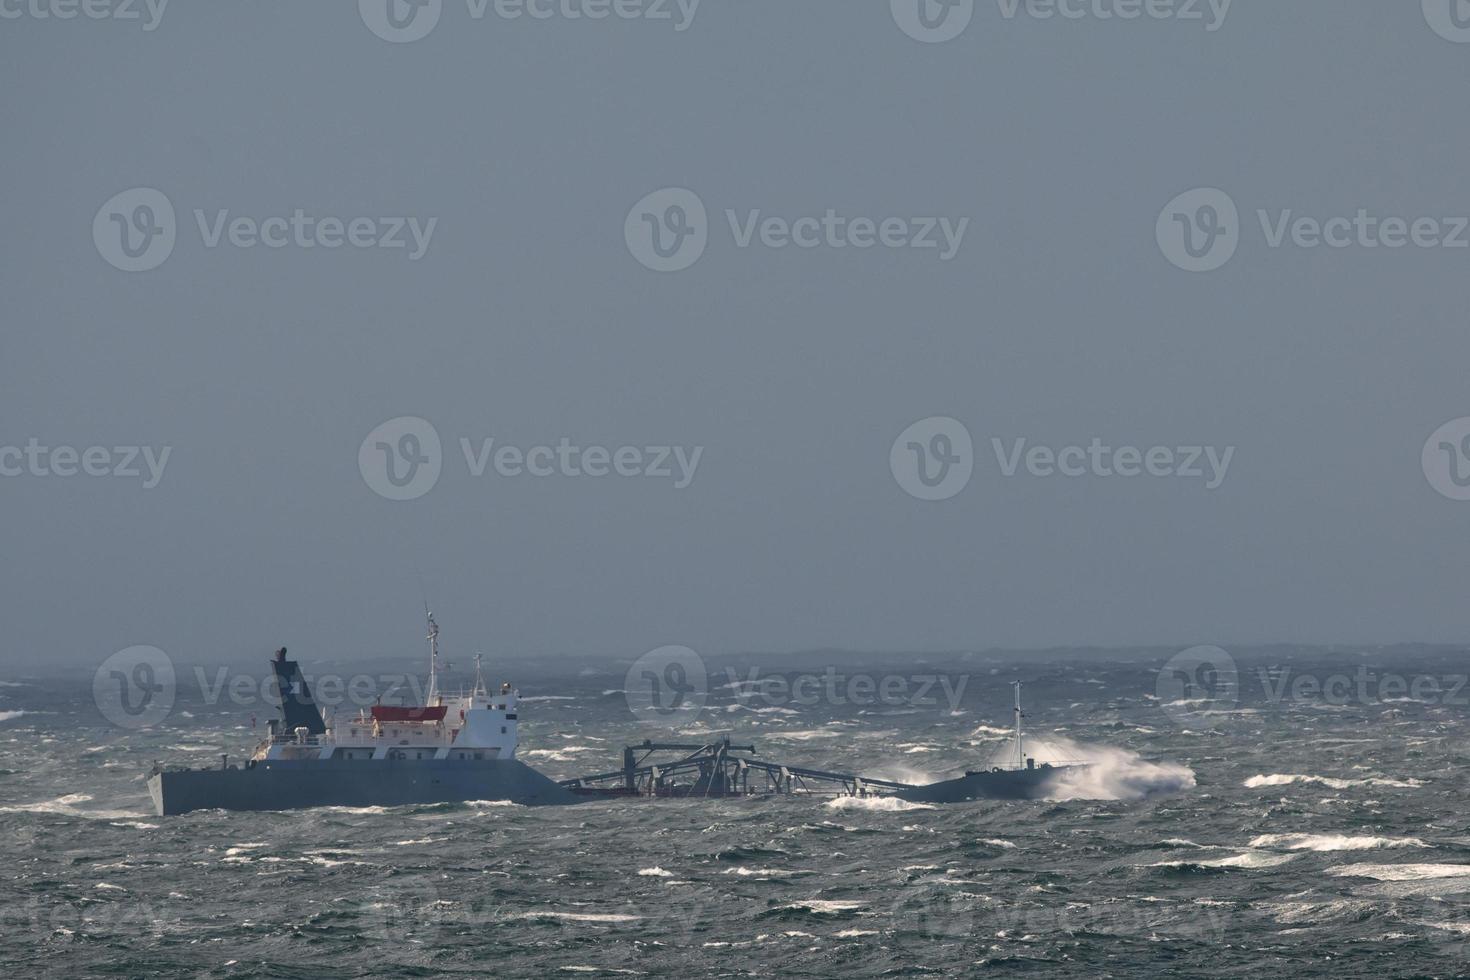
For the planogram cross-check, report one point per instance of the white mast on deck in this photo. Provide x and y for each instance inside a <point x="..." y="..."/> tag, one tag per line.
<point x="1020" y="751"/>
<point x="433" y="639"/>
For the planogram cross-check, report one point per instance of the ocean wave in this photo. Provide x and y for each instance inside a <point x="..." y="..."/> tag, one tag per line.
<point x="877" y="804"/>
<point x="611" y="917"/>
<point x="1333" y="842"/>
<point x="66" y="806"/>
<point x="818" y="906"/>
<point x="1287" y="779"/>
<point x="654" y="872"/>
<point x="806" y="736"/>
<point x="767" y="874"/>
<point x="1401" y="872"/>
<point x="1247" y="860"/>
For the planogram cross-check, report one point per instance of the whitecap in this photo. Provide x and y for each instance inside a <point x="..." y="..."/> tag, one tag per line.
<point x="822" y="906"/>
<point x="877" y="804"/>
<point x="1333" y="842"/>
<point x="1401" y="872"/>
<point x="580" y="916"/>
<point x="1248" y="860"/>
<point x="1287" y="779"/>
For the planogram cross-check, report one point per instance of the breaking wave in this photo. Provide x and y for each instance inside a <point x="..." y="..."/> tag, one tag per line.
<point x="1109" y="773"/>
<point x="1333" y="842"/>
<point x="1287" y="779"/>
<point x="880" y="804"/>
<point x="1401" y="872"/>
<point x="1247" y="860"/>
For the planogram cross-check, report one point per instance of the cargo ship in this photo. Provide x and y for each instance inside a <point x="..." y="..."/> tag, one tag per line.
<point x="449" y="749"/>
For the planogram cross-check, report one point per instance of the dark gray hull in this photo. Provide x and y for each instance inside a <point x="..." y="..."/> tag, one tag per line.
<point x="297" y="783"/>
<point x="1004" y="784"/>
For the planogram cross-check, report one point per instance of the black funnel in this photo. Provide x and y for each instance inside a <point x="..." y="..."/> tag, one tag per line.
<point x="298" y="709"/>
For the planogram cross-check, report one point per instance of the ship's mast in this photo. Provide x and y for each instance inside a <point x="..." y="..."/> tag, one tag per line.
<point x="433" y="657"/>
<point x="1020" y="751"/>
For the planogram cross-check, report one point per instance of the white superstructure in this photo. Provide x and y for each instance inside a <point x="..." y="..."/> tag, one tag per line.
<point x="476" y="725"/>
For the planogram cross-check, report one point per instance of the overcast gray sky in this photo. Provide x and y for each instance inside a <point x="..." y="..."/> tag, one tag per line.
<point x="1060" y="314"/>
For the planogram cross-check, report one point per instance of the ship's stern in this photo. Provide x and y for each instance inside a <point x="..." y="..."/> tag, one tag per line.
<point x="155" y="790"/>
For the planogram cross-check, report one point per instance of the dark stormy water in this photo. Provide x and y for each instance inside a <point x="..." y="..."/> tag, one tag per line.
<point x="1255" y="828"/>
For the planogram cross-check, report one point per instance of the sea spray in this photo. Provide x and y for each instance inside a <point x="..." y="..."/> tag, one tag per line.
<point x="1109" y="773"/>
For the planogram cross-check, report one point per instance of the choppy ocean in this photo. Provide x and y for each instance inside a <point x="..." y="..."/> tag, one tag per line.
<point x="1307" y="815"/>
